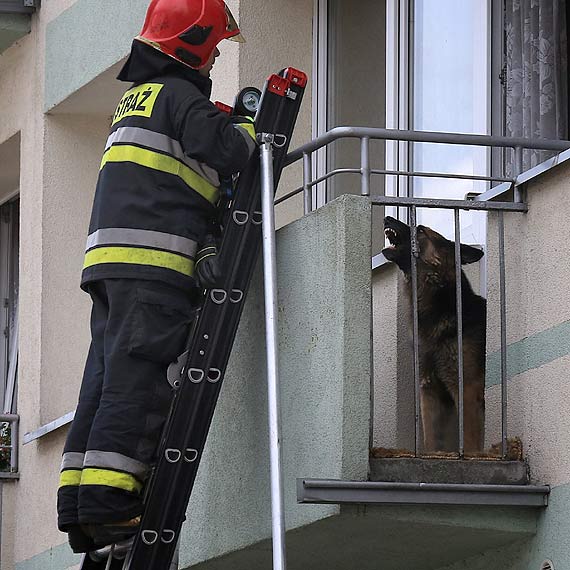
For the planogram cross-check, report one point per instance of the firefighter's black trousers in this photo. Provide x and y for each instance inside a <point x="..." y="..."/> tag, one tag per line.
<point x="138" y="327"/>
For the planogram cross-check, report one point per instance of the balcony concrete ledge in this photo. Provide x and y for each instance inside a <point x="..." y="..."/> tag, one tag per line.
<point x="322" y="491"/>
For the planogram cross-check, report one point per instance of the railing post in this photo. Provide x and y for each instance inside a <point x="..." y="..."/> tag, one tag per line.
<point x="307" y="174"/>
<point x="15" y="442"/>
<point x="416" y="333"/>
<point x="459" y="307"/>
<point x="518" y="167"/>
<point x="503" y="304"/>
<point x="271" y="312"/>
<point x="365" y="165"/>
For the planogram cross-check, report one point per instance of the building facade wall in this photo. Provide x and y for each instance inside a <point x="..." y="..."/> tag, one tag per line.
<point x="58" y="92"/>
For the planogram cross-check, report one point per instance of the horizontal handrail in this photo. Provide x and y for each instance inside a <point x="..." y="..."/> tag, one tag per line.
<point x="439" y="203"/>
<point x="424" y="136"/>
<point x="366" y="134"/>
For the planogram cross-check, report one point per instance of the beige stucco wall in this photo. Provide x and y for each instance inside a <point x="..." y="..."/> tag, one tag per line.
<point x="538" y="310"/>
<point x="19" y="89"/>
<point x="74" y="146"/>
<point x="56" y="163"/>
<point x="60" y="153"/>
<point x="279" y="35"/>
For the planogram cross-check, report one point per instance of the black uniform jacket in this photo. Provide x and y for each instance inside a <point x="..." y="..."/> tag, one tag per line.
<point x="159" y="180"/>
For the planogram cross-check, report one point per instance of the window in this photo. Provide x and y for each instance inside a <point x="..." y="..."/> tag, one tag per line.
<point x="475" y="66"/>
<point x="9" y="285"/>
<point x="440" y="82"/>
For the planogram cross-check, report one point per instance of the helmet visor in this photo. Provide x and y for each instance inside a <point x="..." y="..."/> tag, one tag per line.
<point x="233" y="28"/>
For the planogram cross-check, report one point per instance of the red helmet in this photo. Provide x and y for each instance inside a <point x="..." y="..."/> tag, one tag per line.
<point x="189" y="30"/>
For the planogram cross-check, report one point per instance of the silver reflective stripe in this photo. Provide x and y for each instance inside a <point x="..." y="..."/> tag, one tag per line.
<point x="250" y="142"/>
<point x="162" y="143"/>
<point x="116" y="462"/>
<point x="72" y="460"/>
<point x="142" y="238"/>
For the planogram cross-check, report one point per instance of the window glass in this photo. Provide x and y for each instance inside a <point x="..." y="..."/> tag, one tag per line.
<point x="450" y="93"/>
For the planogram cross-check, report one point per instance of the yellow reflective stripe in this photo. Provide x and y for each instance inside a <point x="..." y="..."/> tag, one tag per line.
<point x="162" y="163"/>
<point x="69" y="478"/>
<point x="139" y="256"/>
<point x="250" y="128"/>
<point x="109" y="478"/>
<point x="138" y="101"/>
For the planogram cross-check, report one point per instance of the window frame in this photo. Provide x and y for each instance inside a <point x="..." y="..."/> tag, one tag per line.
<point x="320" y="97"/>
<point x="9" y="298"/>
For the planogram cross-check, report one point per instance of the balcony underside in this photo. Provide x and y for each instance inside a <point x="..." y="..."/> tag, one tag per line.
<point x="393" y="537"/>
<point x="403" y="522"/>
<point x="12" y="28"/>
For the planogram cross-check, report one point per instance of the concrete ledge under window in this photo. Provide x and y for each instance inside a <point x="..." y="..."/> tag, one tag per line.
<point x="48" y="428"/>
<point x="12" y="28"/>
<point x="6" y="476"/>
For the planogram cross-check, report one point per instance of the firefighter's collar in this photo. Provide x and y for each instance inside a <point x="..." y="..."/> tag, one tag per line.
<point x="145" y="63"/>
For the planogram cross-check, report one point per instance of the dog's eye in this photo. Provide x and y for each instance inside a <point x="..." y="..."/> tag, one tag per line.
<point x="421" y="231"/>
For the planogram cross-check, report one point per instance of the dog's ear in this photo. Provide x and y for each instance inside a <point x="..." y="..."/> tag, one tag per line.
<point x="470" y="254"/>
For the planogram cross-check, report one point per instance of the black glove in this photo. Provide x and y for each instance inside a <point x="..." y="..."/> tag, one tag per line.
<point x="208" y="271"/>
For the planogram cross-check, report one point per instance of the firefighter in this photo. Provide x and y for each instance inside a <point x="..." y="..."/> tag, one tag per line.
<point x="156" y="196"/>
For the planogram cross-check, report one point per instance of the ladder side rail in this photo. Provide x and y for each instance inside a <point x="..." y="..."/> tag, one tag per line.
<point x="207" y="400"/>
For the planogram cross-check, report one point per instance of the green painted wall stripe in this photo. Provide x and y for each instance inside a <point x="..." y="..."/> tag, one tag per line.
<point x="85" y="40"/>
<point x="531" y="352"/>
<point x="56" y="558"/>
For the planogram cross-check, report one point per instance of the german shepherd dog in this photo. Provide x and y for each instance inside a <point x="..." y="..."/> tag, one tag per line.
<point x="439" y="385"/>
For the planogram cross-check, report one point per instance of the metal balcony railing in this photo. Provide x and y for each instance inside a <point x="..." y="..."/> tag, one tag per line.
<point x="366" y="134"/>
<point x="365" y="170"/>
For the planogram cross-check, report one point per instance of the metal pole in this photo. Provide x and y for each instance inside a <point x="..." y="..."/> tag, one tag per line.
<point x="307" y="174"/>
<point x="365" y="166"/>
<point x="416" y="334"/>
<point x="14" y="441"/>
<point x="460" y="403"/>
<point x="503" y="302"/>
<point x="1" y="526"/>
<point x="270" y="286"/>
<point x="518" y="166"/>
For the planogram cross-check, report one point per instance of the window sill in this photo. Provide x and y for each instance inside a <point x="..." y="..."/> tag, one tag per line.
<point x="48" y="428"/>
<point x="9" y="476"/>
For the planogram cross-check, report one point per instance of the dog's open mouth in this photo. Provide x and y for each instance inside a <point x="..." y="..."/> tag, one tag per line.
<point x="393" y="238"/>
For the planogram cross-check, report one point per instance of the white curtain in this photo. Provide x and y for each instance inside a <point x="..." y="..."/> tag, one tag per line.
<point x="537" y="62"/>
